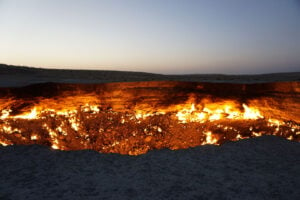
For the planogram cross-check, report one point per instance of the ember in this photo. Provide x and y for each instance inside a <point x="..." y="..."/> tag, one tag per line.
<point x="133" y="118"/>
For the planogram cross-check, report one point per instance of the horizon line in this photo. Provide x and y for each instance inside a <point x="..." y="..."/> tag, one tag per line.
<point x="64" y="68"/>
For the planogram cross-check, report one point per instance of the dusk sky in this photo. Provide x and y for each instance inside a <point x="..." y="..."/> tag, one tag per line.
<point x="160" y="36"/>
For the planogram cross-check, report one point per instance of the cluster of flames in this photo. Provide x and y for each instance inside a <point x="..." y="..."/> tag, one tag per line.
<point x="135" y="131"/>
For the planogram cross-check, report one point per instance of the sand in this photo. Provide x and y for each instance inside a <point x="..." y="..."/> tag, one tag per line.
<point x="14" y="76"/>
<point x="258" y="168"/>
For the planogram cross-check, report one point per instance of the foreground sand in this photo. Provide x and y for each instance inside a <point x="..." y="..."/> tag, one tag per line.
<point x="258" y="168"/>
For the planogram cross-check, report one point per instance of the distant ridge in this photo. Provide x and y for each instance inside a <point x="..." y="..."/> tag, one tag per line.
<point x="16" y="76"/>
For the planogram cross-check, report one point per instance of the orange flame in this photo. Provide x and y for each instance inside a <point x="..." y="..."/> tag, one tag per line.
<point x="84" y="121"/>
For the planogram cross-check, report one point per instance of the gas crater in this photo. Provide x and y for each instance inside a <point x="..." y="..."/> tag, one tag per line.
<point x="135" y="117"/>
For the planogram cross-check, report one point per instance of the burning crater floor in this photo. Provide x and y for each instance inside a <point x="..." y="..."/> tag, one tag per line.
<point x="135" y="117"/>
<point x="149" y="120"/>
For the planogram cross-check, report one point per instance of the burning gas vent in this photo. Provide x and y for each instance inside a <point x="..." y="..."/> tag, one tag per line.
<point x="133" y="118"/>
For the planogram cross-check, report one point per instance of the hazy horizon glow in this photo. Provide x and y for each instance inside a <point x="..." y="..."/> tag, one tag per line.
<point x="159" y="36"/>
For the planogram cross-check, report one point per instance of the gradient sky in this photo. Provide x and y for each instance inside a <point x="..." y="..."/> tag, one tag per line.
<point x="161" y="36"/>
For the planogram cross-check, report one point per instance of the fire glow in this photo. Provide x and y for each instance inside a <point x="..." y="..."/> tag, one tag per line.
<point x="133" y="118"/>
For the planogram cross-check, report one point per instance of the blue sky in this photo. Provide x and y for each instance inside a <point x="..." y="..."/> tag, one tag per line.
<point x="161" y="36"/>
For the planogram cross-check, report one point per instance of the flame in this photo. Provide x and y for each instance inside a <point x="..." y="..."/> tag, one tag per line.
<point x="33" y="137"/>
<point x="251" y="113"/>
<point x="31" y="115"/>
<point x="216" y="112"/>
<point x="84" y="121"/>
<point x="209" y="138"/>
<point x="4" y="114"/>
<point x="3" y="143"/>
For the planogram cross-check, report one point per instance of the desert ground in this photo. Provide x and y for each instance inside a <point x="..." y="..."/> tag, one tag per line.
<point x="258" y="168"/>
<point x="266" y="167"/>
<point x="13" y="76"/>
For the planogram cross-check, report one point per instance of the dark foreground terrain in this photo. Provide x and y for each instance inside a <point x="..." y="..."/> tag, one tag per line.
<point x="259" y="168"/>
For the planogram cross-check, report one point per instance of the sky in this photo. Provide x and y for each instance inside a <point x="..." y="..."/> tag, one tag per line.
<point x="160" y="36"/>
